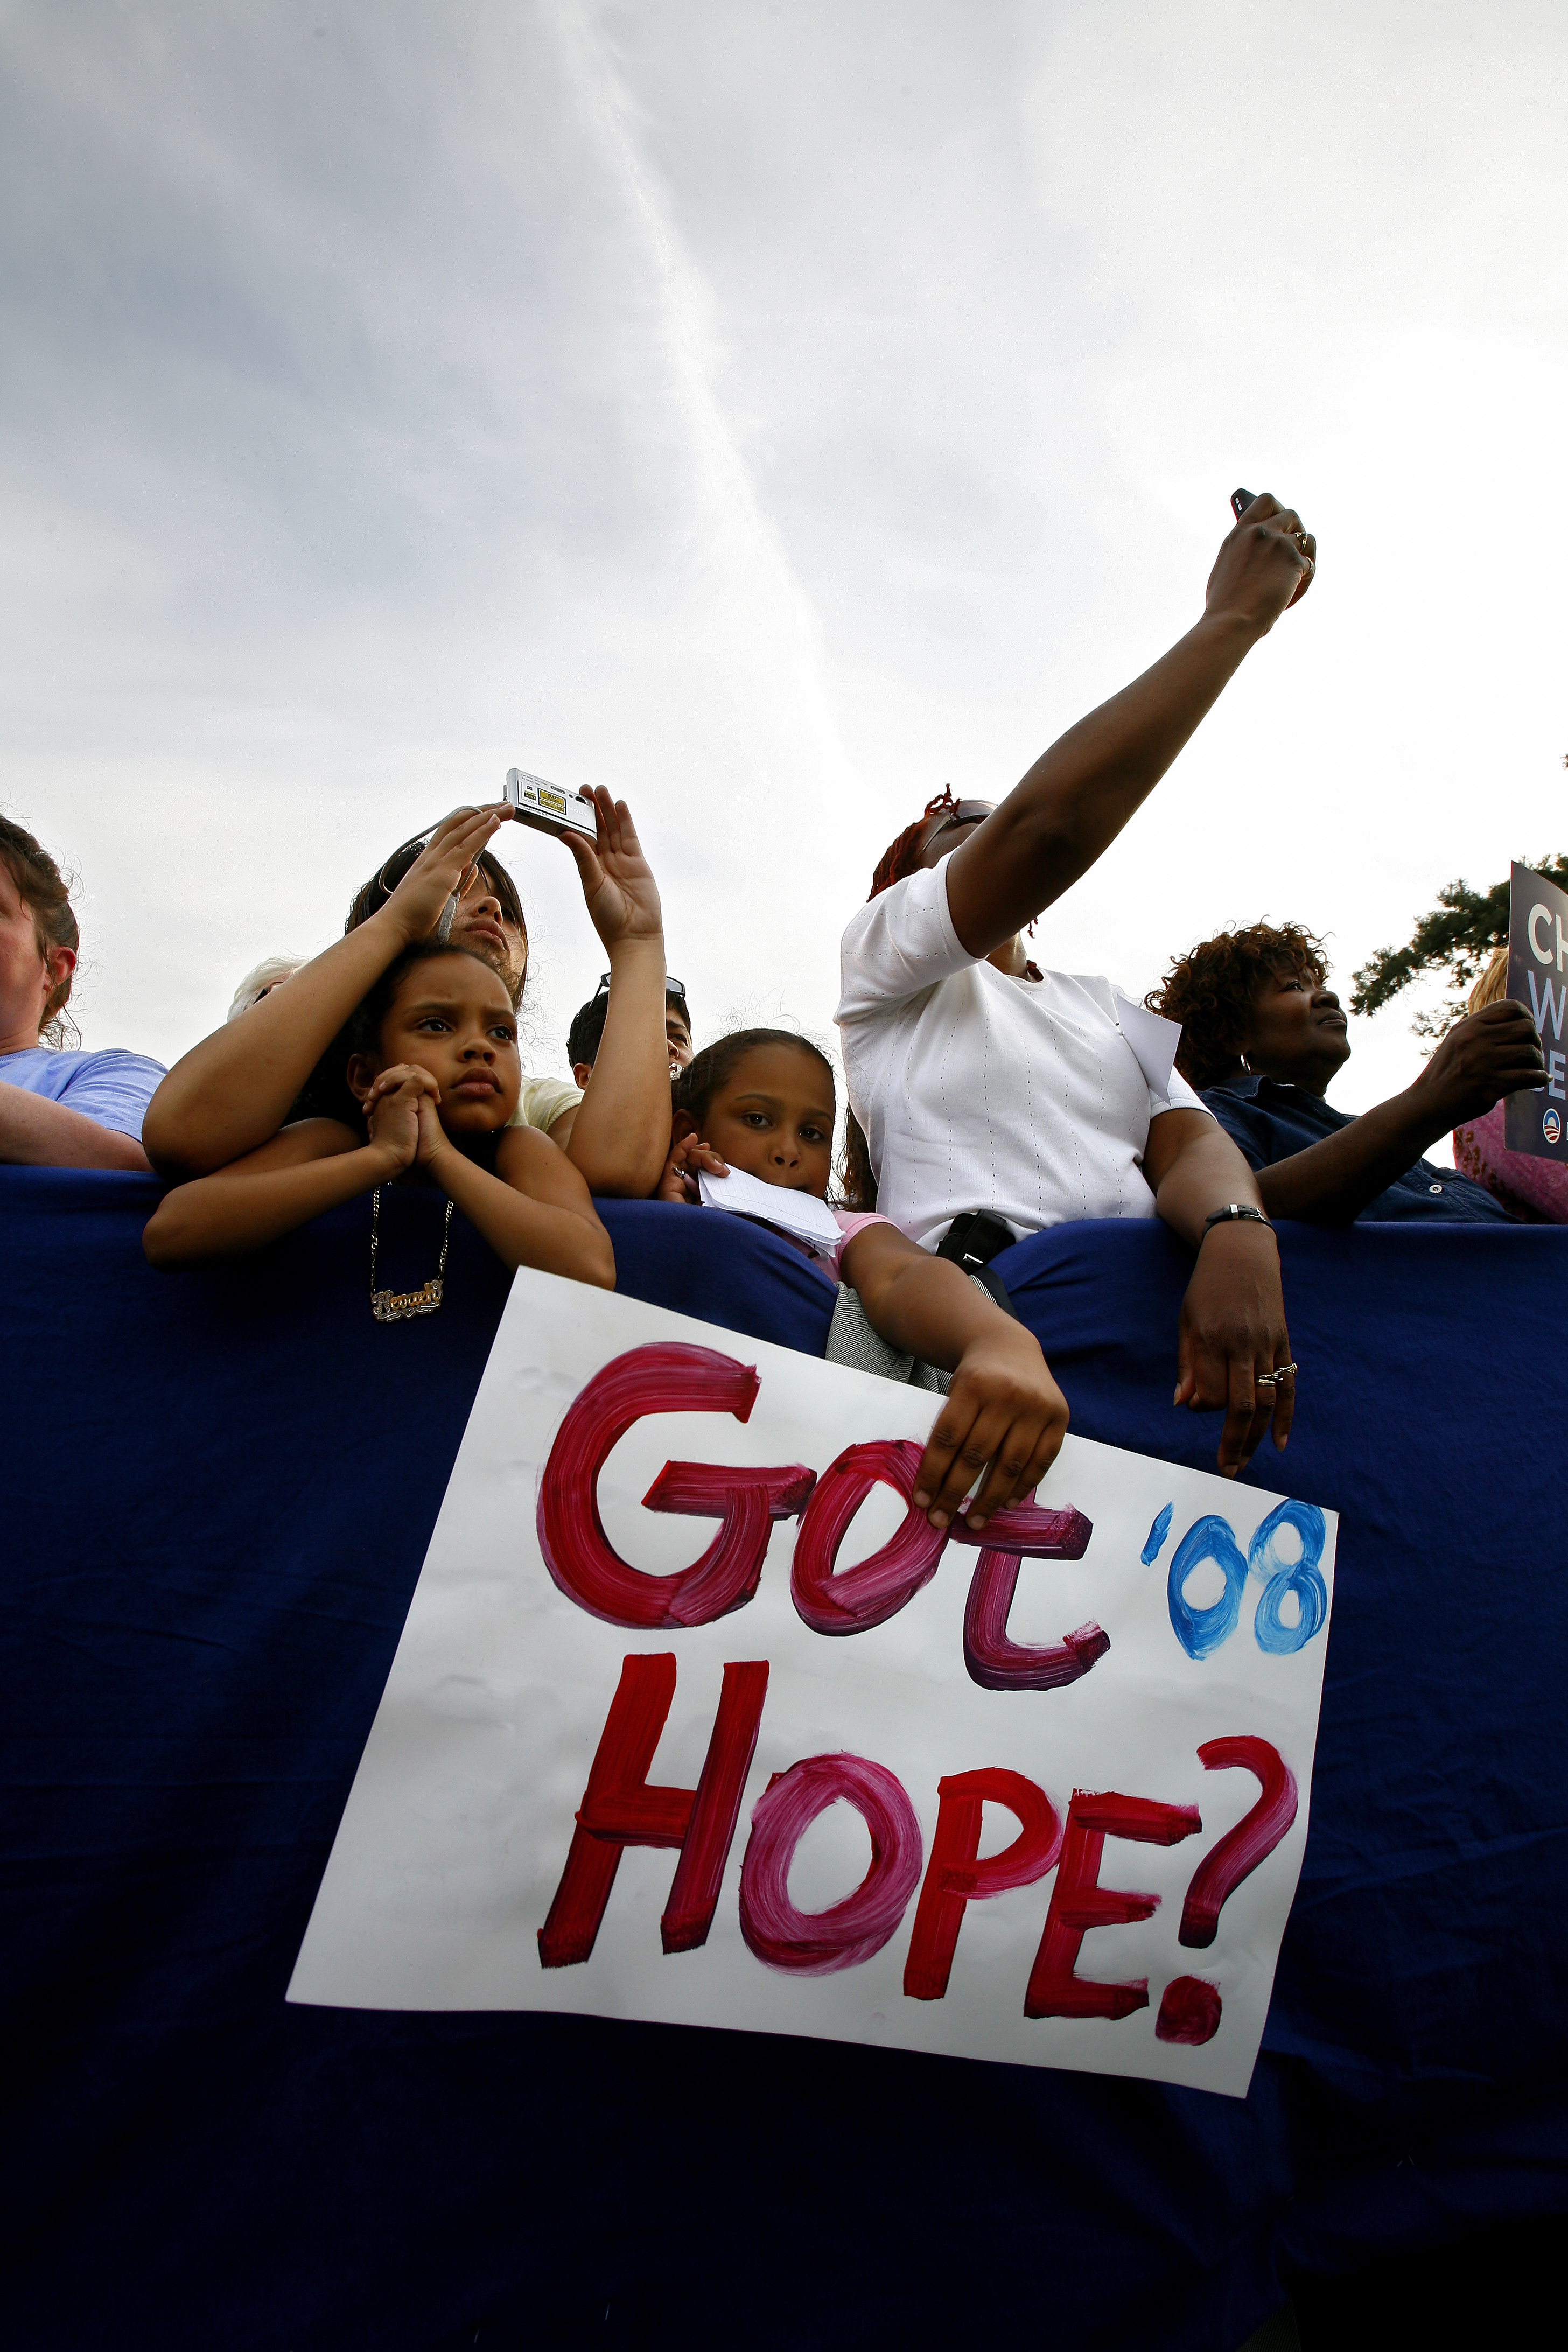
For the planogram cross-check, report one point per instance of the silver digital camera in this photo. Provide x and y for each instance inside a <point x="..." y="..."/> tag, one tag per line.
<point x="550" y="807"/>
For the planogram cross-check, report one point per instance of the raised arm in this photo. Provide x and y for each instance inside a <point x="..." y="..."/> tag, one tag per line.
<point x="619" y="1134"/>
<point x="1078" y="795"/>
<point x="233" y="1092"/>
<point x="1495" y="1051"/>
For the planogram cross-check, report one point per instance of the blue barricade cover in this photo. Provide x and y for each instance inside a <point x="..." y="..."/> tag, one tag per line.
<point x="221" y="1487"/>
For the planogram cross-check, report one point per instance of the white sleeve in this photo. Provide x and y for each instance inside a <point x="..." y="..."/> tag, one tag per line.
<point x="541" y="1101"/>
<point x="1178" y="1096"/>
<point x="899" y="946"/>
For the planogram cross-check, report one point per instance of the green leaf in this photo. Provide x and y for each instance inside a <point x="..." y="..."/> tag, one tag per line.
<point x="1457" y="938"/>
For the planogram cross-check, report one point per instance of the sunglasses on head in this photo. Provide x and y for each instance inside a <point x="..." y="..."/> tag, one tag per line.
<point x="672" y="988"/>
<point x="959" y="812"/>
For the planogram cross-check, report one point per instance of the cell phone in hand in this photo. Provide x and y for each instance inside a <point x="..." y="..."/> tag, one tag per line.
<point x="1239" y="502"/>
<point x="550" y="808"/>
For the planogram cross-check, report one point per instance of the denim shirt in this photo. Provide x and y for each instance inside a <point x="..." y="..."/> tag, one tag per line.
<point x="1269" y="1120"/>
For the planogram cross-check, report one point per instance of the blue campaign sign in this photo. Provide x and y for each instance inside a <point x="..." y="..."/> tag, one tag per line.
<point x="1538" y="976"/>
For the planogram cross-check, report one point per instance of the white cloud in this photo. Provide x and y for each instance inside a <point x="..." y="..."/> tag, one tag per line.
<point x="772" y="411"/>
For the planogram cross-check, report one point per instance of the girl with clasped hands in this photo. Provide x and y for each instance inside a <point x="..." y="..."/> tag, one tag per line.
<point x="235" y="1090"/>
<point x="431" y="1076"/>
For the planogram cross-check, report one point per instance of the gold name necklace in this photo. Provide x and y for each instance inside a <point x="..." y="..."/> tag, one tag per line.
<point x="396" y="1305"/>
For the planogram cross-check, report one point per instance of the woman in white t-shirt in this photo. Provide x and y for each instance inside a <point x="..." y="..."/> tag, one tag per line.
<point x="995" y="1098"/>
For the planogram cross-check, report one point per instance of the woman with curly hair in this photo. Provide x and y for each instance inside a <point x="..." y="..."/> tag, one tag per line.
<point x="994" y="1097"/>
<point x="1263" y="1037"/>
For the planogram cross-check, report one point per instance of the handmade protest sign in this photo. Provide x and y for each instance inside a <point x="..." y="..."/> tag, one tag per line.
<point x="1537" y="1122"/>
<point x="694" y="1719"/>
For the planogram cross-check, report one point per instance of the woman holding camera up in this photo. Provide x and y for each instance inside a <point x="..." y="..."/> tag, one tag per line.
<point x="235" y="1090"/>
<point x="995" y="1098"/>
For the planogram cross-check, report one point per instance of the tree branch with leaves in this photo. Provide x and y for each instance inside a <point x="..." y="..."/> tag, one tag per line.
<point x="1457" y="938"/>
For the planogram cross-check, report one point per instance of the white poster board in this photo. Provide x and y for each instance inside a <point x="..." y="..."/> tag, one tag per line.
<point x="460" y="1844"/>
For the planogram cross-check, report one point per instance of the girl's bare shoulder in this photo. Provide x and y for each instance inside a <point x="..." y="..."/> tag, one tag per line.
<point x="303" y="1140"/>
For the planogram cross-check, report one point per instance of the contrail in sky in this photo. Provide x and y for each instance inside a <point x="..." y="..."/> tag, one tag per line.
<point x="774" y="634"/>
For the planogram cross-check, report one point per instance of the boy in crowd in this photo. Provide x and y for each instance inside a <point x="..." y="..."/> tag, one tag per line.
<point x="588" y="1027"/>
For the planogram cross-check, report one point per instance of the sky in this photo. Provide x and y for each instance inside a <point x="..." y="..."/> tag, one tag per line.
<point x="772" y="410"/>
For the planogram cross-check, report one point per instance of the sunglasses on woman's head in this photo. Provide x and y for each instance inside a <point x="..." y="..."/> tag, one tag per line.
<point x="959" y="812"/>
<point x="402" y="862"/>
<point x="400" y="865"/>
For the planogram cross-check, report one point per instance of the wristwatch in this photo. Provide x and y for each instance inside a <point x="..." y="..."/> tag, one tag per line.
<point x="1236" y="1212"/>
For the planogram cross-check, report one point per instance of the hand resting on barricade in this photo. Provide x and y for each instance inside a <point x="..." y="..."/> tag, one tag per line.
<point x="763" y="1101"/>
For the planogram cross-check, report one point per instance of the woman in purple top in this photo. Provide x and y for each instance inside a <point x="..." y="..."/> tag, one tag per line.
<point x="59" y="1108"/>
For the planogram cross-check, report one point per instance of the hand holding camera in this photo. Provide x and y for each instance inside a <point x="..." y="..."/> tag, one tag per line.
<point x="443" y="870"/>
<point x="618" y="887"/>
<point x="1264" y="567"/>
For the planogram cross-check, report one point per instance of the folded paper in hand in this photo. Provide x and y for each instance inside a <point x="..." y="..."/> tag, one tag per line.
<point x="800" y="1214"/>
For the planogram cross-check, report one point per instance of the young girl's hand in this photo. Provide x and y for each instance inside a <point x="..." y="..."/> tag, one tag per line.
<point x="1004" y="1410"/>
<point x="679" y="1181"/>
<point x="621" y="894"/>
<point x="443" y="867"/>
<point x="395" y="1110"/>
<point x="433" y="1136"/>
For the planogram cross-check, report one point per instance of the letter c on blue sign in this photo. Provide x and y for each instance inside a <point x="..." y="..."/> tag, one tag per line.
<point x="1538" y="914"/>
<point x="1199" y="1631"/>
